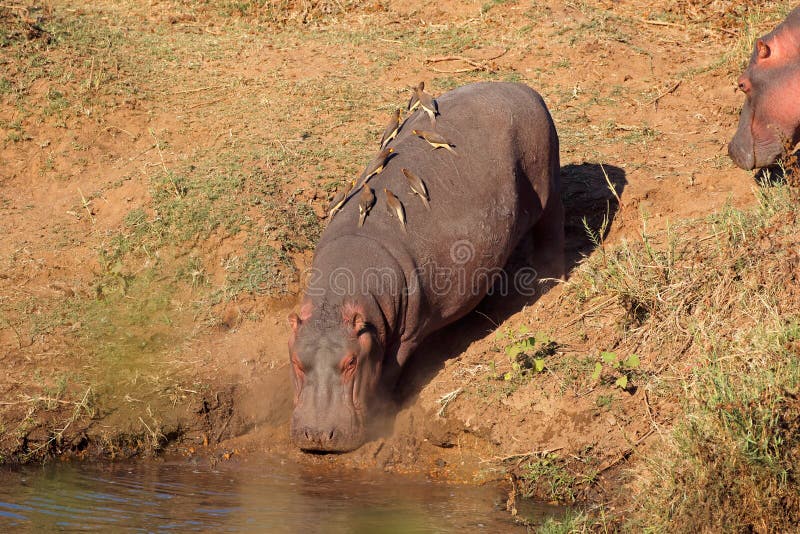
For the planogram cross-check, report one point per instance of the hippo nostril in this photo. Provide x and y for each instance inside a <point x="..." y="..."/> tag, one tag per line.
<point x="308" y="436"/>
<point x="330" y="435"/>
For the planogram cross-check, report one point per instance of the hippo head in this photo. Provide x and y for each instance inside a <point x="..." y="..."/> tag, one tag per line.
<point x="336" y="360"/>
<point x="770" y="119"/>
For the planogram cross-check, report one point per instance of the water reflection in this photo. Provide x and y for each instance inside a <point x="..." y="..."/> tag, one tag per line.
<point x="261" y="497"/>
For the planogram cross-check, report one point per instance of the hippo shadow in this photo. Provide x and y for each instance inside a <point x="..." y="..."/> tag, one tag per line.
<point x="588" y="202"/>
<point x="588" y="197"/>
<point x="776" y="175"/>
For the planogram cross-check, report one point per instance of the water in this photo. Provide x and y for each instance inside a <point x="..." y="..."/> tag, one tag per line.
<point x="268" y="496"/>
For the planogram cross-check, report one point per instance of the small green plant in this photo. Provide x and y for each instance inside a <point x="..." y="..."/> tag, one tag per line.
<point x="572" y="521"/>
<point x="597" y="237"/>
<point x="525" y="351"/>
<point x="16" y="132"/>
<point x="57" y="103"/>
<point x="547" y="478"/>
<point x="622" y="368"/>
<point x="485" y="8"/>
<point x="193" y="272"/>
<point x="605" y="401"/>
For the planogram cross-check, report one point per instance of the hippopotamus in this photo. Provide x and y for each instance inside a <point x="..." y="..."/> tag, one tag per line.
<point x="377" y="290"/>
<point x="770" y="118"/>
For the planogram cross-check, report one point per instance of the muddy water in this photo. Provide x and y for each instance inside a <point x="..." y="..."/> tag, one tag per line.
<point x="252" y="496"/>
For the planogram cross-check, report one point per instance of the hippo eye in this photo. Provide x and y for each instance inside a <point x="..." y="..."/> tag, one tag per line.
<point x="744" y="86"/>
<point x="349" y="364"/>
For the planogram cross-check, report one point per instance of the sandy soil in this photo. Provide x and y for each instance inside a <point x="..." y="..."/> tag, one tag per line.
<point x="652" y="102"/>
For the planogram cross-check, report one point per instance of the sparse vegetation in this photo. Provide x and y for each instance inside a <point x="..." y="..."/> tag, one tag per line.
<point x="526" y="352"/>
<point x="722" y="292"/>
<point x="547" y="478"/>
<point x="184" y="152"/>
<point x="621" y="369"/>
<point x="575" y="522"/>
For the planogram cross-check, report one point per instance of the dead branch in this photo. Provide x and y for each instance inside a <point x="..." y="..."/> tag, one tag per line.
<point x="473" y="64"/>
<point x="665" y="93"/>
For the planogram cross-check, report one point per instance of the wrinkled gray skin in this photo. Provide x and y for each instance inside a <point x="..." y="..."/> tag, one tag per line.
<point x="770" y="118"/>
<point x="372" y="300"/>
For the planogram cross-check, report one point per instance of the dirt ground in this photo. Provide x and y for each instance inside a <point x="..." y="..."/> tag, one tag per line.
<point x="136" y="139"/>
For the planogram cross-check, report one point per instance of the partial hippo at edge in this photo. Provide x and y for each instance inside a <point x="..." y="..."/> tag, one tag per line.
<point x="770" y="118"/>
<point x="377" y="292"/>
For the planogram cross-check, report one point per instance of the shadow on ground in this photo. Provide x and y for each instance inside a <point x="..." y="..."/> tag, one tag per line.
<point x="779" y="174"/>
<point x="587" y="197"/>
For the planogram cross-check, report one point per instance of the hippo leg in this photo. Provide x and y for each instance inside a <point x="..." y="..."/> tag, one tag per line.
<point x="548" y="241"/>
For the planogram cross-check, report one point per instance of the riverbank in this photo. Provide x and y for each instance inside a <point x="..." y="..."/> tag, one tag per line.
<point x="166" y="167"/>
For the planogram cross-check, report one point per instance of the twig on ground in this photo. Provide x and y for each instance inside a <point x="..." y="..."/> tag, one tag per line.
<point x="164" y="165"/>
<point x="626" y="453"/>
<point x="446" y="399"/>
<point x="611" y="187"/>
<point x="590" y="311"/>
<point x="487" y="318"/>
<point x="137" y="156"/>
<point x="653" y="422"/>
<point x="663" y="23"/>
<point x="665" y="93"/>
<point x="153" y="435"/>
<point x="37" y="399"/>
<point x="91" y="76"/>
<point x="199" y="89"/>
<point x="86" y="204"/>
<point x="60" y="434"/>
<point x="521" y="456"/>
<point x="683" y="26"/>
<point x="16" y="333"/>
<point x="473" y="64"/>
<point x="193" y="106"/>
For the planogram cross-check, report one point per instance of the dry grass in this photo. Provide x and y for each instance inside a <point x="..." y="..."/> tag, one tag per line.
<point x="714" y="308"/>
<point x="718" y="13"/>
<point x="274" y="13"/>
<point x="711" y="306"/>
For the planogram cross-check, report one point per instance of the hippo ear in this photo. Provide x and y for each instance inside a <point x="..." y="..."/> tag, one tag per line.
<point x="294" y="321"/>
<point x="763" y="49"/>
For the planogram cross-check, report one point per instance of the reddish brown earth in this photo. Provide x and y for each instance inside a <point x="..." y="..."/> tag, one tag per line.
<point x="653" y="102"/>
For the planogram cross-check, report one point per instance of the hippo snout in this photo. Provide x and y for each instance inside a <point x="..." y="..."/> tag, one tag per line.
<point x="741" y="156"/>
<point x="326" y="439"/>
<point x="326" y="428"/>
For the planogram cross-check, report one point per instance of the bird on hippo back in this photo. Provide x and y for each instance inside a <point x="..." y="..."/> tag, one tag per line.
<point x="769" y="124"/>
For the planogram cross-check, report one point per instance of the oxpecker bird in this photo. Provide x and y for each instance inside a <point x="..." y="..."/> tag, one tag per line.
<point x="428" y="104"/>
<point x="434" y="139"/>
<point x="377" y="164"/>
<point x="365" y="202"/>
<point x="413" y="102"/>
<point x="396" y="208"/>
<point x="417" y="186"/>
<point x="340" y="198"/>
<point x="391" y="129"/>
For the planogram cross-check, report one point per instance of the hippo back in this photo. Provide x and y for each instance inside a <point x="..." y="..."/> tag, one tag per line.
<point x="483" y="197"/>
